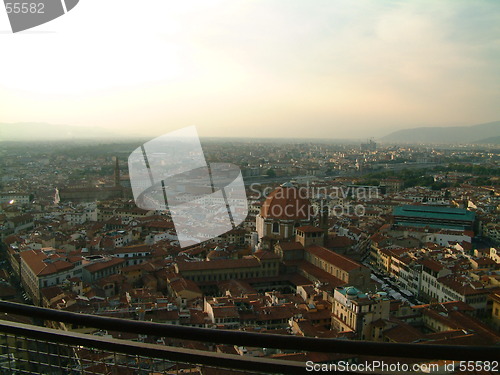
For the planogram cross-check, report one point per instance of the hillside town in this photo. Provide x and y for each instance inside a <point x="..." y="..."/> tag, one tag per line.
<point x="393" y="244"/>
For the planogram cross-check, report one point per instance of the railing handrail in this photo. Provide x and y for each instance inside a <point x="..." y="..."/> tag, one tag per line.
<point x="252" y="339"/>
<point x="173" y="354"/>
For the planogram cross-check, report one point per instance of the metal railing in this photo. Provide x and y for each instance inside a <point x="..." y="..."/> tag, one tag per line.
<point x="40" y="350"/>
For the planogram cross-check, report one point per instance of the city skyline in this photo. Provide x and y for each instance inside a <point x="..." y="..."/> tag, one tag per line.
<point x="253" y="69"/>
<point x="254" y="185"/>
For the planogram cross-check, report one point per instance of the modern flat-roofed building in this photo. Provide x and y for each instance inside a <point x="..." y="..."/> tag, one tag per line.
<point x="434" y="217"/>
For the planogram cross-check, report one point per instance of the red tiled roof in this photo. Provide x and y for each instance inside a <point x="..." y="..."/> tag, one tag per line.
<point x="339" y="242"/>
<point x="310" y="229"/>
<point x="484" y="261"/>
<point x="320" y="274"/>
<point x="475" y="325"/>
<point x="102" y="265"/>
<point x="218" y="264"/>
<point x="431" y="264"/>
<point x="261" y="254"/>
<point x="51" y="292"/>
<point x="181" y="284"/>
<point x="403" y="333"/>
<point x="335" y="259"/>
<point x="291" y="245"/>
<point x="42" y="264"/>
<point x="225" y="312"/>
<point x="132" y="249"/>
<point x="462" y="285"/>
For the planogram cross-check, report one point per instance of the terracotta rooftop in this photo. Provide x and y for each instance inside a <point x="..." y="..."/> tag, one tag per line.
<point x="403" y="333"/>
<point x="431" y="264"/>
<point x="218" y="264"/>
<point x="181" y="284"/>
<point x="462" y="285"/>
<point x="339" y="242"/>
<point x="318" y="273"/>
<point x="42" y="264"/>
<point x="225" y="312"/>
<point x="335" y="259"/>
<point x="51" y="292"/>
<point x="236" y="287"/>
<point x="261" y="254"/>
<point x="132" y="249"/>
<point x="310" y="229"/>
<point x="95" y="267"/>
<point x="290" y="245"/>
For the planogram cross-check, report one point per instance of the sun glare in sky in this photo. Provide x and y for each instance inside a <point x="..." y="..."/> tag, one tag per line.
<point x="339" y="69"/>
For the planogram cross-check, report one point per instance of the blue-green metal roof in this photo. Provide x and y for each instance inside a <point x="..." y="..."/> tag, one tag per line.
<point x="435" y="212"/>
<point x="352" y="291"/>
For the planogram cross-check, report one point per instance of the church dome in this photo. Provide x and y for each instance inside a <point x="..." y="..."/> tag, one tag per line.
<point x="287" y="203"/>
<point x="351" y="291"/>
<point x="218" y="253"/>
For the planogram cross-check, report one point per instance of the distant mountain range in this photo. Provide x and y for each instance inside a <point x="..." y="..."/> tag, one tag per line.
<point x="488" y="133"/>
<point x="490" y="141"/>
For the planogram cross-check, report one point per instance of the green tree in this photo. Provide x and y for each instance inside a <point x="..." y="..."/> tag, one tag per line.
<point x="270" y="173"/>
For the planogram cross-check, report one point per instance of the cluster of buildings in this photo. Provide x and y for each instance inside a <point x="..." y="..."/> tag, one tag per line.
<point x="320" y="258"/>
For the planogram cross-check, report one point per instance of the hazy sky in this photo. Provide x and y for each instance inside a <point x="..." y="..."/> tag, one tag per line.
<point x="339" y="69"/>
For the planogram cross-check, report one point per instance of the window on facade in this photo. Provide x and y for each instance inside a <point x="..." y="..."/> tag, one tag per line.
<point x="276" y="227"/>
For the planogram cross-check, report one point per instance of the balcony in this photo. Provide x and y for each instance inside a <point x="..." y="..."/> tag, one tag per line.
<point x="32" y="349"/>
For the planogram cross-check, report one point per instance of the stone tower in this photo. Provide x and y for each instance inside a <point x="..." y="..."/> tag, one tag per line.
<point x="117" y="172"/>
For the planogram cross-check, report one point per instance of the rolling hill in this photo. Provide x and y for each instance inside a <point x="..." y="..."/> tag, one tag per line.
<point x="482" y="133"/>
